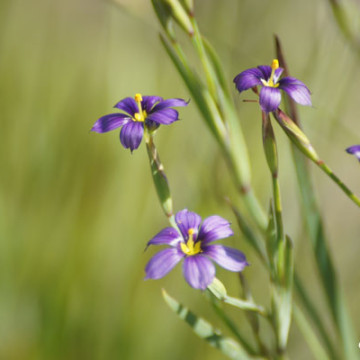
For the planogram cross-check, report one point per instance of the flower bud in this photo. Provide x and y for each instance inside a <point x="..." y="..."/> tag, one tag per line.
<point x="296" y="135"/>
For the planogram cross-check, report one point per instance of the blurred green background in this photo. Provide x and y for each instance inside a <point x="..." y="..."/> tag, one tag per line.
<point x="77" y="209"/>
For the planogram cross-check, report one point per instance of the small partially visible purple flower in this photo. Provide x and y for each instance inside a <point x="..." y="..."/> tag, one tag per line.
<point x="354" y="150"/>
<point x="140" y="111"/>
<point x="268" y="77"/>
<point x="193" y="245"/>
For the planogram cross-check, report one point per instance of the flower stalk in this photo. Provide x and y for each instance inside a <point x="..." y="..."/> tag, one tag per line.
<point x="215" y="104"/>
<point x="159" y="177"/>
<point x="300" y="140"/>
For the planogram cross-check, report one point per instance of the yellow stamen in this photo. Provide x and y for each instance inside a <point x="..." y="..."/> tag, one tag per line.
<point x="138" y="97"/>
<point x="275" y="64"/>
<point x="191" y="248"/>
<point x="270" y="82"/>
<point x="141" y="115"/>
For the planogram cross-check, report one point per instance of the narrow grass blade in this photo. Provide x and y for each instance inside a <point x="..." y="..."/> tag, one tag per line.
<point x="282" y="297"/>
<point x="316" y="320"/>
<point x="230" y="324"/>
<point x="317" y="236"/>
<point x="251" y="237"/>
<point x="215" y="61"/>
<point x="309" y="335"/>
<point x="195" y="86"/>
<point x="206" y="331"/>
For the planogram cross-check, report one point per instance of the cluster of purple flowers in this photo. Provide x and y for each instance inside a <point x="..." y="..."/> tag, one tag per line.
<point x="192" y="240"/>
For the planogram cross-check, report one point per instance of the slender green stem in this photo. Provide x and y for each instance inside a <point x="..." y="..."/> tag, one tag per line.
<point x="314" y="315"/>
<point x="213" y="118"/>
<point x="336" y="179"/>
<point x="312" y="216"/>
<point x="210" y="74"/>
<point x="159" y="177"/>
<point x="309" y="335"/>
<point x="278" y="207"/>
<point x="231" y="325"/>
<point x="300" y="140"/>
<point x="253" y="319"/>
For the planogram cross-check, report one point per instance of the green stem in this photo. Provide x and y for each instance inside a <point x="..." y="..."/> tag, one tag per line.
<point x="342" y="186"/>
<point x="231" y="325"/>
<point x="159" y="178"/>
<point x="210" y="74"/>
<point x="253" y="318"/>
<point x="314" y="315"/>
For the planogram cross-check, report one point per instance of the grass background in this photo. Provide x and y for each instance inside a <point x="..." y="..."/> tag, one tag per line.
<point x="76" y="209"/>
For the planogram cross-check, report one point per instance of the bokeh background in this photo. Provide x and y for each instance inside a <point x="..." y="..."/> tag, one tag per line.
<point x="76" y="209"/>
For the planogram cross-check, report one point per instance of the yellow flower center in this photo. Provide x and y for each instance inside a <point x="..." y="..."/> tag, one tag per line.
<point x="141" y="114"/>
<point x="191" y="248"/>
<point x="270" y="82"/>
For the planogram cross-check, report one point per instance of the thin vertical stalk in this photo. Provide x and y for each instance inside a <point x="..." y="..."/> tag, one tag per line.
<point x="159" y="177"/>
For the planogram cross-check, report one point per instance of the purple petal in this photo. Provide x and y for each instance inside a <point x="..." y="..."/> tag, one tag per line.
<point x="270" y="98"/>
<point x="110" y="122"/>
<point x="165" y="116"/>
<point x="167" y="236"/>
<point x="296" y="89"/>
<point x="131" y="135"/>
<point x="170" y="103"/>
<point x="162" y="262"/>
<point x="248" y="79"/>
<point x="199" y="271"/>
<point x="186" y="220"/>
<point x="229" y="258"/>
<point x="355" y="150"/>
<point x="148" y="102"/>
<point x="214" y="228"/>
<point x="129" y="105"/>
<point x="265" y="71"/>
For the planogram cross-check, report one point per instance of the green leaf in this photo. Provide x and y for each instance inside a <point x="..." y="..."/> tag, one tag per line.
<point x="316" y="320"/>
<point x="206" y="331"/>
<point x="318" y="240"/>
<point x="230" y="324"/>
<point x="194" y="84"/>
<point x="252" y="238"/>
<point x="282" y="296"/>
<point x="163" y="13"/>
<point x="179" y="15"/>
<point x="218" y="289"/>
<point x="309" y="335"/>
<point x="289" y="264"/>
<point x="271" y="241"/>
<point x="215" y="61"/>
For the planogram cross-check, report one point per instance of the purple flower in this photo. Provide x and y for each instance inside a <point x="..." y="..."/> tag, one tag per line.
<point x="140" y="111"/>
<point x="194" y="245"/>
<point x="355" y="150"/>
<point x="268" y="77"/>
